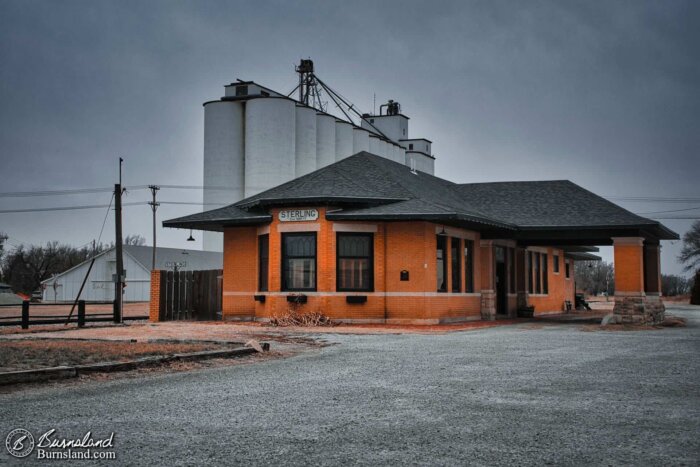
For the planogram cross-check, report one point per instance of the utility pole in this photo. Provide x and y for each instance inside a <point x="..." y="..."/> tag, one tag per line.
<point x="154" y="207"/>
<point x="119" y="279"/>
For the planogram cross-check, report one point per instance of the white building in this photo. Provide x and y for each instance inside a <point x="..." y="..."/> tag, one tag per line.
<point x="64" y="287"/>
<point x="256" y="138"/>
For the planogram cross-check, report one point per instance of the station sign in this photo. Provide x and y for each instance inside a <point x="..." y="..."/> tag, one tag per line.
<point x="298" y="215"/>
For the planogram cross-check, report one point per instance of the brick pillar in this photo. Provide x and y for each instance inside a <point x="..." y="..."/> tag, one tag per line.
<point x="521" y="277"/>
<point x="154" y="305"/>
<point x="488" y="282"/>
<point x="632" y="305"/>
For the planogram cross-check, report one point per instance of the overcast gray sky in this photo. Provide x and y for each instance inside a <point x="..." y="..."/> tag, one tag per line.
<point x="604" y="93"/>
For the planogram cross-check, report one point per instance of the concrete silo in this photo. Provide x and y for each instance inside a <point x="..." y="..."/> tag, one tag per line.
<point x="305" y="140"/>
<point x="223" y="160"/>
<point x="325" y="140"/>
<point x="343" y="140"/>
<point x="269" y="143"/>
<point x="360" y="140"/>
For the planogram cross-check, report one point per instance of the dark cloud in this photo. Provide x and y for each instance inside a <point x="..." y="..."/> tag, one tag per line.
<point x="606" y="94"/>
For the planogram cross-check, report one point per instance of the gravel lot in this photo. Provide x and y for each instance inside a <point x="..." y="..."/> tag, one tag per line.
<point x="520" y="394"/>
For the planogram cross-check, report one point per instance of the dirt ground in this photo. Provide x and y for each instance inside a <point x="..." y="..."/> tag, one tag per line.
<point x="26" y="354"/>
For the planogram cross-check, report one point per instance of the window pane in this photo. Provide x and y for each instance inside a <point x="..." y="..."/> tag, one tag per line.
<point x="299" y="261"/>
<point x="530" y="274"/>
<point x="353" y="245"/>
<point x="456" y="260"/>
<point x="469" y="265"/>
<point x="354" y="262"/>
<point x="545" y="279"/>
<point x="555" y="263"/>
<point x="511" y="266"/>
<point x="300" y="273"/>
<point x="300" y="245"/>
<point x="354" y="274"/>
<point x="538" y="278"/>
<point x="263" y="261"/>
<point x="441" y="263"/>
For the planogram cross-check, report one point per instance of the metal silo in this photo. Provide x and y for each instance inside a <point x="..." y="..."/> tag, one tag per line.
<point x="325" y="140"/>
<point x="360" y="140"/>
<point x="223" y="161"/>
<point x="305" y="140"/>
<point x="343" y="140"/>
<point x="269" y="143"/>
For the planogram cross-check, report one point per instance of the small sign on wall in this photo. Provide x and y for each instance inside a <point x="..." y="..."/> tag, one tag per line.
<point x="298" y="215"/>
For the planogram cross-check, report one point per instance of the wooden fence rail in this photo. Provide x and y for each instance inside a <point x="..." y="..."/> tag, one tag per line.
<point x="26" y="319"/>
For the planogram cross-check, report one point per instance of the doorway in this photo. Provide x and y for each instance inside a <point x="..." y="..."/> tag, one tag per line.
<point x="501" y="281"/>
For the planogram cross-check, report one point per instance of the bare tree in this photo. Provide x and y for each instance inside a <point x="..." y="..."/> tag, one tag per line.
<point x="595" y="277"/>
<point x="673" y="285"/>
<point x="135" y="239"/>
<point x="690" y="254"/>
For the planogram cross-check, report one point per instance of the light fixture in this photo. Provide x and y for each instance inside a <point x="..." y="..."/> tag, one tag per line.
<point x="191" y="238"/>
<point x="442" y="233"/>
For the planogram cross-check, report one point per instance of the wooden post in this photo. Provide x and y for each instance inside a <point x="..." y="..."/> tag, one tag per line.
<point x="25" y="314"/>
<point x="81" y="313"/>
<point x="118" y="284"/>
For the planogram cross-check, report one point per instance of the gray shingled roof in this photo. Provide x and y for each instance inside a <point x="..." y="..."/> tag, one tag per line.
<point x="365" y="186"/>
<point x="165" y="257"/>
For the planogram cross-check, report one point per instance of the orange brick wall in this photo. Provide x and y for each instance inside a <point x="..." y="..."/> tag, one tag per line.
<point x="560" y="288"/>
<point x="240" y="272"/>
<point x="629" y="266"/>
<point x="397" y="246"/>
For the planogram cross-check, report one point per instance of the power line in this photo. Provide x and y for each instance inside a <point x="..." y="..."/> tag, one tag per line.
<point x="100" y="206"/>
<point x="644" y="199"/>
<point x="83" y="191"/>
<point x="672" y="210"/>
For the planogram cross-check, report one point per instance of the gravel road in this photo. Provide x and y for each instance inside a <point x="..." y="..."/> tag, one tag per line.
<point x="524" y="394"/>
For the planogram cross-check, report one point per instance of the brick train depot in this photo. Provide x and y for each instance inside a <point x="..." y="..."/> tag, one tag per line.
<point x="369" y="240"/>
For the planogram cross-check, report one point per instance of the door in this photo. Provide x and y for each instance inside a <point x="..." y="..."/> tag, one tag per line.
<point x="501" y="281"/>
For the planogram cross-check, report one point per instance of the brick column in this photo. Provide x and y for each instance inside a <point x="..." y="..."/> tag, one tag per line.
<point x="521" y="277"/>
<point x="154" y="305"/>
<point x="488" y="283"/>
<point x="632" y="305"/>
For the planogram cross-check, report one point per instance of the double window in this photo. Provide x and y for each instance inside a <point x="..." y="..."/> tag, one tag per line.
<point x="299" y="261"/>
<point x="537" y="273"/>
<point x="355" y="262"/>
<point x="461" y="255"/>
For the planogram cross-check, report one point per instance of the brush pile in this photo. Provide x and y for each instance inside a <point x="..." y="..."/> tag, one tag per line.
<point x="294" y="317"/>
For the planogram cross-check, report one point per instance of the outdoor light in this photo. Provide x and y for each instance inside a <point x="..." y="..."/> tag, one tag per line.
<point x="442" y="233"/>
<point x="191" y="238"/>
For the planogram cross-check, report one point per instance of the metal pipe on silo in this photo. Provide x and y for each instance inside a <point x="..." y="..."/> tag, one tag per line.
<point x="269" y="143"/>
<point x="305" y="140"/>
<point x="224" y="156"/>
<point x="325" y="140"/>
<point x="360" y="140"/>
<point x="343" y="140"/>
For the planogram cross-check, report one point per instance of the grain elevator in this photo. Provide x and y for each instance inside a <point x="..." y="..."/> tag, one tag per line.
<point x="256" y="138"/>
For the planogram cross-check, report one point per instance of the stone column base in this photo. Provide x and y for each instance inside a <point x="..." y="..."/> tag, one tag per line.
<point x="639" y="309"/>
<point x="488" y="305"/>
